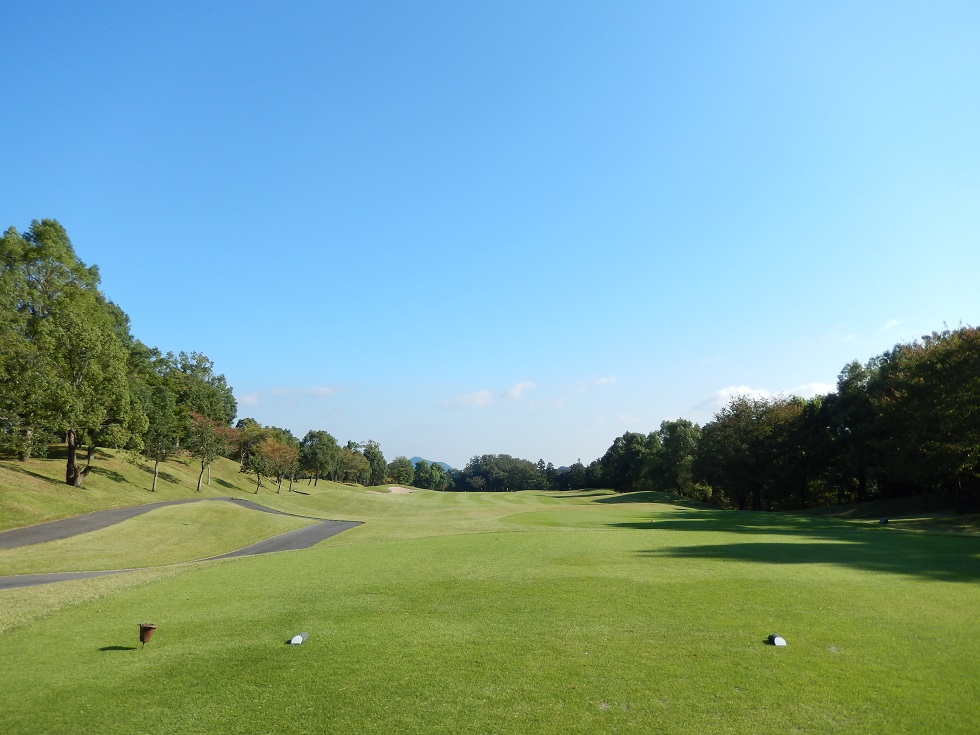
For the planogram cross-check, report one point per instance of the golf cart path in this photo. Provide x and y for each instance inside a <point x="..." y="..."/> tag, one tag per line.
<point x="301" y="538"/>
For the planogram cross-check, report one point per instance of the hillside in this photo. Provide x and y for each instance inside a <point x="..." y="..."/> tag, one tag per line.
<point x="35" y="491"/>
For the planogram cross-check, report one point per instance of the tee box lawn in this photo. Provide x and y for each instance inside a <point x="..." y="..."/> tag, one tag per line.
<point x="526" y="612"/>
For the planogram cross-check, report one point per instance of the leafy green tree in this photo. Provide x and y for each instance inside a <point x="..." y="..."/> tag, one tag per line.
<point x="279" y="459"/>
<point x="160" y="439"/>
<point x="198" y="388"/>
<point x="259" y="463"/>
<point x="248" y="435"/>
<point x="572" y="478"/>
<point x="89" y="371"/>
<point x="926" y="397"/>
<point x="376" y="460"/>
<point x="498" y="473"/>
<point x="57" y="321"/>
<point x="207" y="440"/>
<point x="353" y="467"/>
<point x="679" y="441"/>
<point x="400" y="471"/>
<point x="629" y="463"/>
<point x="438" y="479"/>
<point x="319" y="454"/>
<point x="732" y="455"/>
<point x="422" y="475"/>
<point x="849" y="416"/>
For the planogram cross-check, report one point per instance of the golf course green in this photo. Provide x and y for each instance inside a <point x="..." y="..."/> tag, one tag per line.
<point x="530" y="612"/>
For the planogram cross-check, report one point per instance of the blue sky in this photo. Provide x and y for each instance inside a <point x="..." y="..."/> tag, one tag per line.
<point x="507" y="227"/>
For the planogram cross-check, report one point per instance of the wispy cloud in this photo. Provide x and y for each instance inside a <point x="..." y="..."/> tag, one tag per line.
<point x="317" y="391"/>
<point x="889" y="325"/>
<point x="476" y="399"/>
<point x="516" y="391"/>
<point x="485" y="397"/>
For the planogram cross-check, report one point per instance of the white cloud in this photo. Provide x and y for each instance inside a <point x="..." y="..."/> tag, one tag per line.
<point x="809" y="390"/>
<point x="485" y="397"/>
<point x="516" y="391"/>
<point x="584" y="385"/>
<point x="723" y="396"/>
<point x="249" y="399"/>
<point x="889" y="325"/>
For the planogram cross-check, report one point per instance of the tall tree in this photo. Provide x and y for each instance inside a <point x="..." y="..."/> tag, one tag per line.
<point x="629" y="463"/>
<point x="376" y="460"/>
<point x="732" y="454"/>
<point x="207" y="440"/>
<point x="400" y="470"/>
<point x="353" y="467"/>
<point x="279" y="459"/>
<point x="670" y="467"/>
<point x="163" y="430"/>
<point x="422" y="475"/>
<point x="248" y="435"/>
<point x="318" y="454"/>
<point x="198" y="388"/>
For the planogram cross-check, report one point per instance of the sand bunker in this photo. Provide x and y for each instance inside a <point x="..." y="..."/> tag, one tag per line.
<point x="398" y="489"/>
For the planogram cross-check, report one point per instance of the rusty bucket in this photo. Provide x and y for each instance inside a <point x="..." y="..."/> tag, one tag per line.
<point x="146" y="631"/>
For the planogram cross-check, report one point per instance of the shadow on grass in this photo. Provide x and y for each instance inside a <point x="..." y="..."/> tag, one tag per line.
<point x="949" y="558"/>
<point x="31" y="473"/>
<point x="166" y="476"/>
<point x="225" y="484"/>
<point x="110" y="474"/>
<point x="654" y="496"/>
<point x="118" y="648"/>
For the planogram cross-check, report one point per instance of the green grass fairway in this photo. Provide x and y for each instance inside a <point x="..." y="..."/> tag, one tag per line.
<point x="516" y="613"/>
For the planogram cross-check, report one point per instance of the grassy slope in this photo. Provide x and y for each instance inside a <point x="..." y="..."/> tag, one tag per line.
<point x="163" y="536"/>
<point x="523" y="612"/>
<point x="34" y="492"/>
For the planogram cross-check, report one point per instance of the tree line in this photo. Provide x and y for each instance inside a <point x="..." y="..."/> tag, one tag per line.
<point x="907" y="422"/>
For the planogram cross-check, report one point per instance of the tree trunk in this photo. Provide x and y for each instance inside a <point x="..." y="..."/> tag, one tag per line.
<point x="156" y="467"/>
<point x="203" y="466"/>
<point x="25" y="450"/>
<point x="74" y="476"/>
<point x="258" y="482"/>
<point x="209" y="474"/>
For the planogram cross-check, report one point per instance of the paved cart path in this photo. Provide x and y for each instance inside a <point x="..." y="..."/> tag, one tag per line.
<point x="301" y="538"/>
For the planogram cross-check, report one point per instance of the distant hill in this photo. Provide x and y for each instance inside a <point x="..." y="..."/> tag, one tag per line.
<point x="416" y="460"/>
